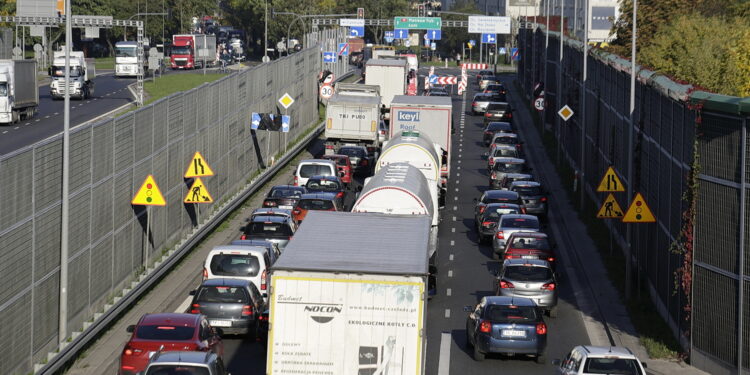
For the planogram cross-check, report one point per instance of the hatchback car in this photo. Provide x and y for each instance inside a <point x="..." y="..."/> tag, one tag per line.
<point x="503" y="166"/>
<point x="249" y="263"/>
<point x="506" y="325"/>
<point x="506" y="138"/>
<point x="534" y="197"/>
<point x="499" y="150"/>
<point x="497" y="88"/>
<point x="483" y="73"/>
<point x="488" y="80"/>
<point x="313" y="167"/>
<point x="283" y="196"/>
<point x="233" y="305"/>
<point x="498" y="111"/>
<point x="276" y="229"/>
<point x="362" y="161"/>
<point x="490" y="217"/>
<point x="510" y="178"/>
<point x="587" y="359"/>
<point x="282" y="212"/>
<point x="510" y="224"/>
<point x="530" y="245"/>
<point x="494" y="196"/>
<point x="529" y="278"/>
<point x="315" y="202"/>
<point x="344" y="165"/>
<point x="327" y="184"/>
<point x="480" y="102"/>
<point x="491" y="128"/>
<point x="271" y="248"/>
<point x="167" y="332"/>
<point x="185" y="363"/>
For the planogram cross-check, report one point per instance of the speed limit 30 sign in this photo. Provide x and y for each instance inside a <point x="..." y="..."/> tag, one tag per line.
<point x="326" y="91"/>
<point x="539" y="103"/>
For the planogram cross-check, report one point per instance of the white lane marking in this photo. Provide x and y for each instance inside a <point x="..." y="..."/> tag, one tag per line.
<point x="444" y="361"/>
<point x="455" y="208"/>
<point x="56" y="113"/>
<point x="456" y="189"/>
<point x="459" y="161"/>
<point x="447" y="313"/>
<point x="450" y="273"/>
<point x="95" y="99"/>
<point x="453" y="230"/>
<point x="5" y="132"/>
<point x="460" y="150"/>
<point x="28" y="123"/>
<point x="455" y="198"/>
<point x="448" y="292"/>
<point x="184" y="305"/>
<point x="453" y="242"/>
<point x="450" y="257"/>
<point x="454" y="218"/>
<point x="16" y="128"/>
<point x="458" y="175"/>
<point x="458" y="168"/>
<point x="88" y="101"/>
<point x="46" y="116"/>
<point x="37" y="120"/>
<point x="459" y="155"/>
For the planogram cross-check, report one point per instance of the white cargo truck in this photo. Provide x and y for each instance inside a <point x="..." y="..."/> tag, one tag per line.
<point x="19" y="91"/>
<point x="352" y="117"/>
<point x="343" y="308"/>
<point x="429" y="115"/>
<point x="82" y="75"/>
<point x="390" y="75"/>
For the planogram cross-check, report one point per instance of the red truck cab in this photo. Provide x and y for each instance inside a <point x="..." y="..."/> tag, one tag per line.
<point x="183" y="52"/>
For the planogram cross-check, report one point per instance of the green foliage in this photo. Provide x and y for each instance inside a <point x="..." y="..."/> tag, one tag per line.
<point x="455" y="38"/>
<point x="739" y="57"/>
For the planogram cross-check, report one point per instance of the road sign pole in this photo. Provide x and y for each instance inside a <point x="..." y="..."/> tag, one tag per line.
<point x="481" y="47"/>
<point x="559" y="84"/>
<point x="628" y="226"/>
<point x="290" y="126"/>
<point x="146" y="245"/>
<point x="268" y="147"/>
<point x="582" y="118"/>
<point x="546" y="47"/>
<point x="65" y="206"/>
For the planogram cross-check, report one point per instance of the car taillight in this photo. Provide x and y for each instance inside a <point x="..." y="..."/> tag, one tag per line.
<point x="474" y="104"/>
<point x="205" y="271"/>
<point x="509" y="115"/>
<point x="485" y="326"/>
<point x="541" y="329"/>
<point x="523" y="210"/>
<point x="263" y="280"/>
<point x="492" y="161"/>
<point x="296" y="211"/>
<point x="500" y="235"/>
<point x="262" y="317"/>
<point x="506" y="285"/>
<point x="247" y="310"/>
<point x="269" y="204"/>
<point x="488" y="114"/>
<point x="544" y="199"/>
<point x="549" y="286"/>
<point x="340" y="194"/>
<point x="243" y="237"/>
<point x="510" y="256"/>
<point x="296" y="181"/>
<point x="481" y="209"/>
<point x="195" y="308"/>
<point x="487" y="224"/>
<point x="494" y="176"/>
<point x="130" y="351"/>
<point x="551" y="259"/>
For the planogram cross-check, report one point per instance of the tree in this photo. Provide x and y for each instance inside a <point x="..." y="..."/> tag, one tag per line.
<point x="739" y="57"/>
<point x="455" y="38"/>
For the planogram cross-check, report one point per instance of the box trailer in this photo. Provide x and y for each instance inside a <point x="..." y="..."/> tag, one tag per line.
<point x="343" y="308"/>
<point x="19" y="91"/>
<point x="390" y="75"/>
<point x="352" y="116"/>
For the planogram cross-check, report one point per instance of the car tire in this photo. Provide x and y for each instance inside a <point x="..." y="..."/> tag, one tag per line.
<point x="553" y="312"/>
<point x="495" y="255"/>
<point x="478" y="356"/>
<point x="541" y="358"/>
<point x="468" y="340"/>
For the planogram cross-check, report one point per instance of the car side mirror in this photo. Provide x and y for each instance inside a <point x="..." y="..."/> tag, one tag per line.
<point x="644" y="365"/>
<point x="475" y="200"/>
<point x="242" y="228"/>
<point x="130" y="328"/>
<point x="265" y="295"/>
<point x="359" y="188"/>
<point x="468" y="308"/>
<point x="192" y="292"/>
<point x="556" y="362"/>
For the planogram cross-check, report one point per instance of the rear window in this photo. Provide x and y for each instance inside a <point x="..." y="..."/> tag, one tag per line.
<point x="315" y="204"/>
<point x="324" y="185"/>
<point x="177" y="370"/>
<point x="527" y="273"/>
<point x="309" y="170"/>
<point x="268" y="230"/>
<point x="353" y="151"/>
<point x="235" y="265"/>
<point x="506" y="140"/>
<point x="510" y="313"/>
<point x="497" y="106"/>
<point x="505" y="152"/>
<point x="497" y="212"/>
<point x="285" y="193"/>
<point x="219" y="294"/>
<point x="164" y="332"/>
<point x="508" y="167"/>
<point x="498" y="126"/>
<point x="611" y="366"/>
<point x="528" y="190"/>
<point x="530" y="243"/>
<point x="520" y="223"/>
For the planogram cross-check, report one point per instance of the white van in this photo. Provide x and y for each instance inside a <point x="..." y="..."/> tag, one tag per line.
<point x="313" y="167"/>
<point x="240" y="262"/>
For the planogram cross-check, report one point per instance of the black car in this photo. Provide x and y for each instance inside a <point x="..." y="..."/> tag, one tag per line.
<point x="284" y="196"/>
<point x="362" y="161"/>
<point x="534" y="197"/>
<point x="498" y="111"/>
<point x="496" y="88"/>
<point x="495" y="127"/>
<point x="327" y="184"/>
<point x="503" y="166"/>
<point x="234" y="305"/>
<point x="495" y="196"/>
<point x="489" y="218"/>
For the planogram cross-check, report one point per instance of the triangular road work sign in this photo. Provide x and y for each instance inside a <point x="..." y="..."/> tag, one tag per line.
<point x="638" y="212"/>
<point x="610" y="182"/>
<point x="198" y="193"/>
<point x="149" y="194"/>
<point x="198" y="167"/>
<point x="610" y="209"/>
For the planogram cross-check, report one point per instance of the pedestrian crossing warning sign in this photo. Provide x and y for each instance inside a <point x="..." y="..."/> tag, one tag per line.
<point x="638" y="212"/>
<point x="610" y="209"/>
<point x="198" y="167"/>
<point x="149" y="194"/>
<point x="610" y="183"/>
<point x="198" y="193"/>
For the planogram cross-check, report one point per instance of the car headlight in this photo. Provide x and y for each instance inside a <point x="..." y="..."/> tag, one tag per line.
<point x="77" y="84"/>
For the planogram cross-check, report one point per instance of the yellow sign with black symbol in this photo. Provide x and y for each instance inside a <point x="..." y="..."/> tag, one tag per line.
<point x="149" y="194"/>
<point x="610" y="183"/>
<point x="198" y="167"/>
<point x="610" y="209"/>
<point x="639" y="212"/>
<point x="198" y="193"/>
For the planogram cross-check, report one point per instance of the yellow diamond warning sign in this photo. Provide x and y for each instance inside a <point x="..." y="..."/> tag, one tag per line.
<point x="149" y="194"/>
<point x="610" y="209"/>
<point x="638" y="212"/>
<point x="198" y="167"/>
<point x="286" y="100"/>
<point x="565" y="112"/>
<point x="610" y="182"/>
<point x="198" y="193"/>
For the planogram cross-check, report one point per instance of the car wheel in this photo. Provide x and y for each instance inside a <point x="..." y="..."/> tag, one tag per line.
<point x="553" y="312"/>
<point x="541" y="358"/>
<point x="468" y="339"/>
<point x="495" y="255"/>
<point x="478" y="356"/>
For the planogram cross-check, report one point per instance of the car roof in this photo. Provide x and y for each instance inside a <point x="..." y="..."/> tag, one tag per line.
<point x="321" y="195"/>
<point x="180" y="357"/>
<point x="505" y="159"/>
<point x="177" y="319"/>
<point x="288" y="187"/>
<point x="525" y="183"/>
<point x="268" y="218"/>
<point x="498" y="123"/>
<point x="505" y="134"/>
<point x="253" y="242"/>
<point x="510" y="205"/>
<point x="499" y="102"/>
<point x="483" y="94"/>
<point x="335" y="156"/>
<point x="271" y="211"/>
<point x="225" y="282"/>
<point x="315" y="161"/>
<point x="504" y="301"/>
<point x="530" y="234"/>
<point x="500" y="193"/>
<point x="502" y="145"/>
<point x="353" y="146"/>
<point x="238" y="247"/>
<point x="526" y="262"/>
<point x="603" y="351"/>
<point x="520" y="216"/>
<point x="324" y="177"/>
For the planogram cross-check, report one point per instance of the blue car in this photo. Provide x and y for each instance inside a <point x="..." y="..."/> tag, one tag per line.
<point x="506" y="325"/>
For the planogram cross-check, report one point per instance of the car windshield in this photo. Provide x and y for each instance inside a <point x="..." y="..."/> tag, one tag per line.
<point x="59" y="71"/>
<point x="498" y="126"/>
<point x="528" y="190"/>
<point x="520" y="223"/>
<point x="488" y="78"/>
<point x="285" y="193"/>
<point x="352" y="151"/>
<point x="495" y="88"/>
<point x="269" y="230"/>
<point x="527" y="273"/>
<point x="612" y="366"/>
<point x="530" y="243"/>
<point x="494" y="214"/>
<point x="235" y="265"/>
<point x="309" y="170"/>
<point x="322" y="185"/>
<point x="510" y="313"/>
<point x="315" y="204"/>
<point x="125" y="51"/>
<point x="497" y="107"/>
<point x="505" y="140"/>
<point x="503" y="199"/>
<point x="221" y="294"/>
<point x="508" y="167"/>
<point x="3" y="89"/>
<point x="176" y="370"/>
<point x="181" y="50"/>
<point x="505" y="152"/>
<point x="164" y="332"/>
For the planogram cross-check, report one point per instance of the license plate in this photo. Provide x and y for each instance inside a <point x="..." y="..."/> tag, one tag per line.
<point x="286" y="207"/>
<point x="514" y="333"/>
<point x="529" y="257"/>
<point x="221" y="323"/>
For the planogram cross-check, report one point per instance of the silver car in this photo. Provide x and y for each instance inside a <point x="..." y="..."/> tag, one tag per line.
<point x="165" y="362"/>
<point x="529" y="278"/>
<point x="509" y="224"/>
<point x="533" y="195"/>
<point x="503" y="166"/>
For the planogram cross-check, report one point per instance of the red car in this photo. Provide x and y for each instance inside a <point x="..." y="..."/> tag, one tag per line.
<point x="344" y="165"/>
<point x="167" y="332"/>
<point x="530" y="245"/>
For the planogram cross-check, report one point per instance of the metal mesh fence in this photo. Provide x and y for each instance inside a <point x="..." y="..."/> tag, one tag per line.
<point x="109" y="162"/>
<point x="6" y="43"/>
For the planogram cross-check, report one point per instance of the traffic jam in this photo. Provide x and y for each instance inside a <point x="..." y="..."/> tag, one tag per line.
<point x="290" y="281"/>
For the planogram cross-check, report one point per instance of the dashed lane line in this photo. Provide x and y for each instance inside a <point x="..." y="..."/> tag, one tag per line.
<point x="448" y="292"/>
<point x="444" y="362"/>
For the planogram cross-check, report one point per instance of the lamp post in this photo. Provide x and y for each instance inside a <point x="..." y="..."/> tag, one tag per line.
<point x="265" y="34"/>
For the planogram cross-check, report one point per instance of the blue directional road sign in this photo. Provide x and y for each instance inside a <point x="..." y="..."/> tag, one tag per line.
<point x="433" y="79"/>
<point x="433" y="34"/>
<point x="433" y="46"/>
<point x="285" y="124"/>
<point x="473" y="42"/>
<point x="356" y="31"/>
<point x="343" y="49"/>
<point x="502" y="51"/>
<point x="401" y="33"/>
<point x="489" y="38"/>
<point x="515" y="55"/>
<point x="255" y="122"/>
<point x="388" y="35"/>
<point x="329" y="57"/>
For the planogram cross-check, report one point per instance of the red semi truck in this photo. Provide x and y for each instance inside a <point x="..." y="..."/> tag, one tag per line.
<point x="186" y="47"/>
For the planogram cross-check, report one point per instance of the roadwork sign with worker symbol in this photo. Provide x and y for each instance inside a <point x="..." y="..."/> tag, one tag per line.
<point x="198" y="193"/>
<point x="198" y="167"/>
<point x="610" y="209"/>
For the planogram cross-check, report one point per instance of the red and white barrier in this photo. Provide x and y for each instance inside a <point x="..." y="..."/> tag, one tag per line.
<point x="474" y="66"/>
<point x="447" y="80"/>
